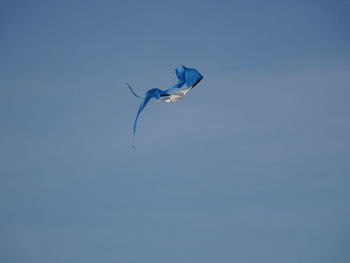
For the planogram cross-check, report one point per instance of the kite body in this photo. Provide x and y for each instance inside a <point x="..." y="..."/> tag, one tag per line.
<point x="186" y="76"/>
<point x="175" y="96"/>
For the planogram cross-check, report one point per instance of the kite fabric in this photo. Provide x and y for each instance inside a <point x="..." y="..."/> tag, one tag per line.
<point x="186" y="76"/>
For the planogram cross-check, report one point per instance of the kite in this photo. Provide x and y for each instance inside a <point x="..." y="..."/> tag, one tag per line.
<point x="186" y="76"/>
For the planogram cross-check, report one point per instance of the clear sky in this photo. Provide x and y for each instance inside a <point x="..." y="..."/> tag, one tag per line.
<point x="252" y="166"/>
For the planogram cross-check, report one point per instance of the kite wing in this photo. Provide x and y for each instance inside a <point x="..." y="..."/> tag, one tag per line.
<point x="188" y="76"/>
<point x="192" y="77"/>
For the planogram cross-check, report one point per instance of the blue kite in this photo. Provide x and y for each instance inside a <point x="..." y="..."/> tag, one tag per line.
<point x="186" y="76"/>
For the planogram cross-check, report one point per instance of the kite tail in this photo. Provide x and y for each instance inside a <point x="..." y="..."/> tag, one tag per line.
<point x="133" y="92"/>
<point x="133" y="142"/>
<point x="142" y="106"/>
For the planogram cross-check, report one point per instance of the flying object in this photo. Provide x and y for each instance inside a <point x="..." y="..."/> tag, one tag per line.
<point x="188" y="77"/>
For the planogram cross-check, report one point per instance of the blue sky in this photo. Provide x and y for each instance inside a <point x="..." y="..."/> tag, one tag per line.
<point x="252" y="166"/>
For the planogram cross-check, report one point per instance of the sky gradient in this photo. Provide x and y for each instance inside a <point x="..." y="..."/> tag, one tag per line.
<point x="251" y="166"/>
